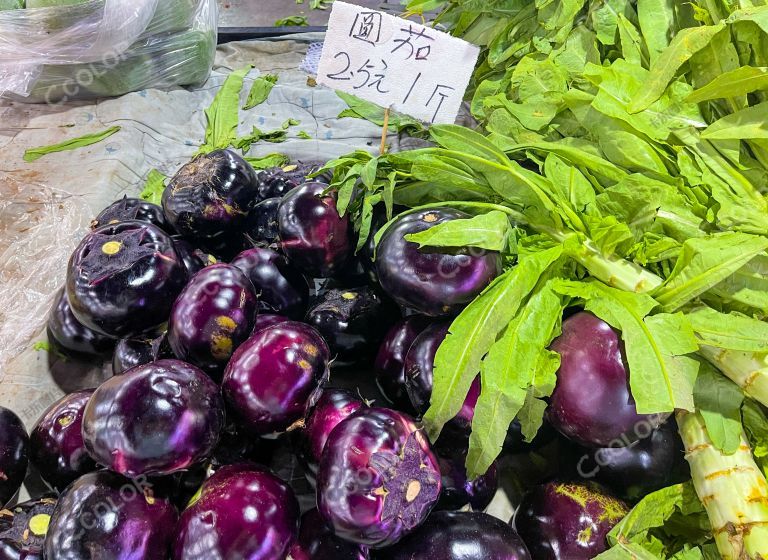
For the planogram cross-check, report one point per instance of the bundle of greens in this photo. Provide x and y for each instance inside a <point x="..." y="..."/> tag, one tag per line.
<point x="621" y="166"/>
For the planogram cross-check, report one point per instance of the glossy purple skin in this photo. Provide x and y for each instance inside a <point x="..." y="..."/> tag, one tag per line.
<point x="261" y="226"/>
<point x="14" y="454"/>
<point x="244" y="512"/>
<point x="390" y="360"/>
<point x="212" y="317"/>
<point x="591" y="403"/>
<point x="18" y="540"/>
<point x="333" y="406"/>
<point x="280" y="287"/>
<point x="265" y="320"/>
<point x="122" y="279"/>
<point x="132" y="209"/>
<point x="71" y="334"/>
<point x="57" y="448"/>
<point x="419" y="365"/>
<point x="378" y="478"/>
<point x="276" y="376"/>
<point x="317" y="542"/>
<point x="211" y="195"/>
<point x="194" y="260"/>
<point x="561" y="521"/>
<point x="161" y="418"/>
<point x="105" y="516"/>
<point x="312" y="235"/>
<point x="432" y="283"/>
<point x="458" y="491"/>
<point x="278" y="181"/>
<point x="642" y="467"/>
<point x="132" y="352"/>
<point x="458" y="535"/>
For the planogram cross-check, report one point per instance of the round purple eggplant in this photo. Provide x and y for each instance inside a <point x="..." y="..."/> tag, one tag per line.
<point x="243" y="511"/>
<point x="390" y="360"/>
<point x="162" y="418"/>
<point x="212" y="316"/>
<point x="57" y="448"/>
<point x="261" y="226"/>
<point x="459" y="535"/>
<point x="14" y="454"/>
<point x="378" y="478"/>
<point x="432" y="283"/>
<point x="312" y="234"/>
<point x="276" y="182"/>
<point x="515" y="440"/>
<point x="132" y="210"/>
<point x="265" y="320"/>
<point x="591" y="403"/>
<point x="71" y="334"/>
<point x="281" y="288"/>
<point x="122" y="279"/>
<point x="103" y="515"/>
<point x="419" y="365"/>
<point x="132" y="352"/>
<point x="211" y="195"/>
<point x="23" y="529"/>
<point x="276" y="376"/>
<point x="637" y="469"/>
<point x="458" y="491"/>
<point x="194" y="260"/>
<point x="333" y="406"/>
<point x="561" y="521"/>
<point x="353" y="322"/>
<point x="317" y="542"/>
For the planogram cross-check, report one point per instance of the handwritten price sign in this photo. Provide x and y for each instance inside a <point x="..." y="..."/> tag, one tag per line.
<point x="396" y="63"/>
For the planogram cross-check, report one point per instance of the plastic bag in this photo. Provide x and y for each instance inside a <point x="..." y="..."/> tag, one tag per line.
<point x="95" y="48"/>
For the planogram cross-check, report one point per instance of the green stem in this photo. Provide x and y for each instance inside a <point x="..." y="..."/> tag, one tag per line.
<point x="747" y="369"/>
<point x="732" y="489"/>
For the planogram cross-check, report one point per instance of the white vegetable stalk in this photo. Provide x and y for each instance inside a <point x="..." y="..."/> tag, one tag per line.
<point x="732" y="489"/>
<point x="747" y="369"/>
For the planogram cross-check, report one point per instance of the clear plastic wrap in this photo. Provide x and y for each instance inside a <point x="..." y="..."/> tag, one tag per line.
<point x="98" y="48"/>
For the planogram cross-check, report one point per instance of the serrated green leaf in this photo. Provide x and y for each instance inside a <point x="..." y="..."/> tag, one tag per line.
<point x="34" y="154"/>
<point x="368" y="173"/>
<point x="718" y="400"/>
<point x="741" y="81"/>
<point x="223" y="114"/>
<point x="731" y="331"/>
<point x="486" y="231"/>
<point x="260" y="90"/>
<point x="153" y="187"/>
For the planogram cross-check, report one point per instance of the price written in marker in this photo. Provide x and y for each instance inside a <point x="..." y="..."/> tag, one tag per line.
<point x="396" y="63"/>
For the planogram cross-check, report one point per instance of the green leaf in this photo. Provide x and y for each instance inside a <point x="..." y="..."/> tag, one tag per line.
<point x="660" y="380"/>
<point x="266" y="162"/>
<point x="657" y="24"/>
<point x="289" y="123"/>
<point x="706" y="261"/>
<point x="368" y="173"/>
<point x="756" y="426"/>
<point x="474" y="331"/>
<point x="719" y="399"/>
<point x="362" y="109"/>
<point x="304" y="135"/>
<point x="33" y="154"/>
<point x="741" y="81"/>
<point x="746" y="124"/>
<point x="260" y="90"/>
<point x="461" y="139"/>
<point x="154" y="187"/>
<point x="627" y="551"/>
<point x="685" y="44"/>
<point x="731" y="331"/>
<point x="43" y="345"/>
<point x="274" y="136"/>
<point x="292" y="21"/>
<point x="486" y="231"/>
<point x="223" y="114"/>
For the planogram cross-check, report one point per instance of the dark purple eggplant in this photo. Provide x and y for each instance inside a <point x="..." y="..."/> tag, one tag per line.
<point x="390" y="360"/>
<point x="591" y="403"/>
<point x="276" y="182"/>
<point x="432" y="283"/>
<point x="276" y="376"/>
<point x="14" y="454"/>
<point x="312" y="234"/>
<point x="23" y="529"/>
<point x="561" y="521"/>
<point x="458" y="535"/>
<point x="333" y="406"/>
<point x="105" y="516"/>
<point x="280" y="287"/>
<point x="57" y="448"/>
<point x="419" y="364"/>
<point x="243" y="512"/>
<point x="194" y="260"/>
<point x="458" y="491"/>
<point x="71" y="334"/>
<point x="211" y="195"/>
<point x="162" y="418"/>
<point x="132" y="352"/>
<point x="265" y="320"/>
<point x="642" y="467"/>
<point x="317" y="542"/>
<point x="122" y="279"/>
<point x="132" y="210"/>
<point x="212" y="316"/>
<point x="515" y="440"/>
<point x="353" y="322"/>
<point x="378" y="478"/>
<point x="261" y="226"/>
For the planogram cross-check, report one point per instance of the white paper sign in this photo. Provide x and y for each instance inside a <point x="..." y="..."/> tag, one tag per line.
<point x="396" y="63"/>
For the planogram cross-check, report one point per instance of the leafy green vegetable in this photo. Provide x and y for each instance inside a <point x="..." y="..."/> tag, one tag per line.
<point x="486" y="231"/>
<point x="741" y="81"/>
<point x="292" y="21"/>
<point x="266" y="162"/>
<point x="274" y="136"/>
<point x="33" y="154"/>
<point x="260" y="90"/>
<point x="718" y="400"/>
<point x="223" y="113"/>
<point x="154" y="187"/>
<point x="303" y="134"/>
<point x="731" y="331"/>
<point x="362" y="109"/>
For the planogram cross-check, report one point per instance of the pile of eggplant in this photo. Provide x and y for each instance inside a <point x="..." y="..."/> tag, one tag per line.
<point x="227" y="314"/>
